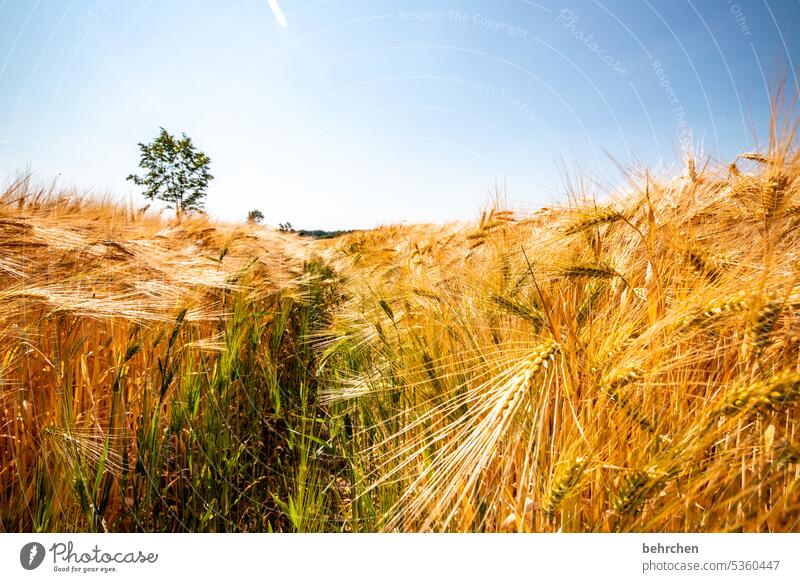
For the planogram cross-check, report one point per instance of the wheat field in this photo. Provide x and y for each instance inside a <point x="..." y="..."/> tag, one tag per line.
<point x="624" y="362"/>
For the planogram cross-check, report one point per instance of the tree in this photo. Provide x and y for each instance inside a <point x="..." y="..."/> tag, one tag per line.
<point x="175" y="172"/>
<point x="285" y="227"/>
<point x="255" y="216"/>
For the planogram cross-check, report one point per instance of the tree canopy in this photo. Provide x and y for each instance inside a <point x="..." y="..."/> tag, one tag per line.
<point x="255" y="216"/>
<point x="175" y="172"/>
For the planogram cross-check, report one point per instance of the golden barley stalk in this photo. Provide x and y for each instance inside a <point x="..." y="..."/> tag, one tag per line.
<point x="591" y="270"/>
<point x="614" y="386"/>
<point x="591" y="219"/>
<point x="755" y="157"/>
<point x="714" y="311"/>
<point x="564" y="483"/>
<point x="771" y="394"/>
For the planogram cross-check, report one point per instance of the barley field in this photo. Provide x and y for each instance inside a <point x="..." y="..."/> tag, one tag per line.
<point x="625" y="361"/>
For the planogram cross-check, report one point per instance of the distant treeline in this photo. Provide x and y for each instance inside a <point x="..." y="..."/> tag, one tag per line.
<point x="322" y="234"/>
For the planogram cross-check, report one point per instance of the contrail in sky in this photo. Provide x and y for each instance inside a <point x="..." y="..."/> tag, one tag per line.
<point x="276" y="10"/>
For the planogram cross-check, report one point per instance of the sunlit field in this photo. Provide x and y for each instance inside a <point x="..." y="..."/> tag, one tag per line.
<point x="624" y="361"/>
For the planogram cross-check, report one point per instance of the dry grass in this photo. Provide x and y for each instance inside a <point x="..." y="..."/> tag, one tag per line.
<point x="669" y="315"/>
<point x="630" y="365"/>
<point x="142" y="362"/>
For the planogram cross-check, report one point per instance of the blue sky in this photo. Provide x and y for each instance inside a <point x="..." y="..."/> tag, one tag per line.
<point x="359" y="113"/>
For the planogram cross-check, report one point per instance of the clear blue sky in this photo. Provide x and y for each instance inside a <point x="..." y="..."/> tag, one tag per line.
<point x="360" y="112"/>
